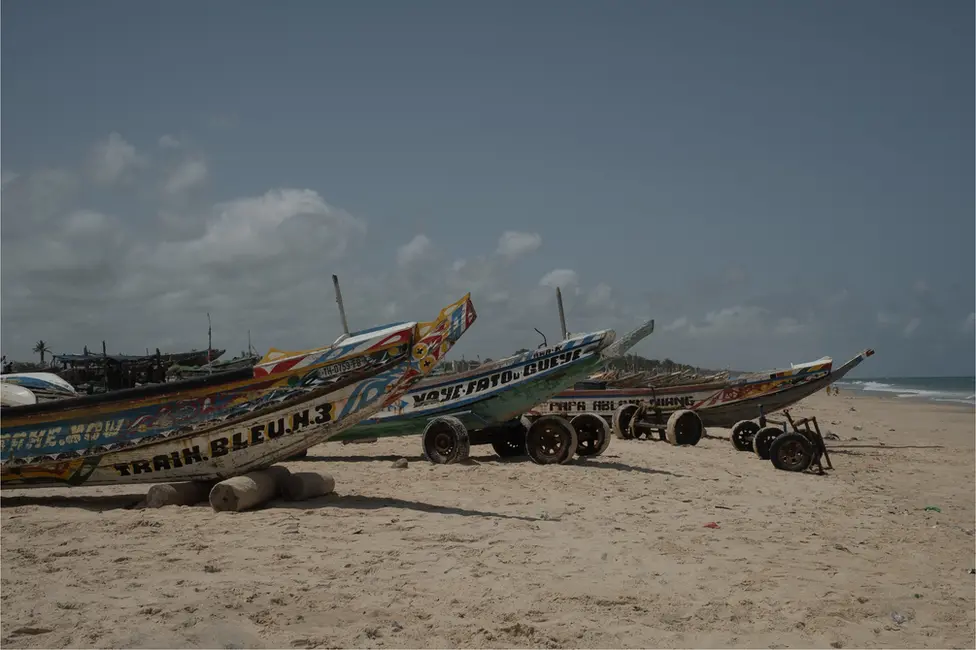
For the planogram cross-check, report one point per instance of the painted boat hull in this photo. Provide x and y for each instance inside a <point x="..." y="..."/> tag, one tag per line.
<point x="216" y="427"/>
<point x="718" y="405"/>
<point x="500" y="391"/>
<point x="489" y="395"/>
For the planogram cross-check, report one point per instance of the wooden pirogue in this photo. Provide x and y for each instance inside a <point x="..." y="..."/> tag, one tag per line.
<point x="228" y="423"/>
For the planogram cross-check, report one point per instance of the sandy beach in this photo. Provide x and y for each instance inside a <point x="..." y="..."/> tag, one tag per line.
<point x="610" y="552"/>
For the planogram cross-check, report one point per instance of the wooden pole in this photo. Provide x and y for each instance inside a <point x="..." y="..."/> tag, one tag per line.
<point x="105" y="366"/>
<point x="209" y="344"/>
<point x="342" y="310"/>
<point x="562" y="316"/>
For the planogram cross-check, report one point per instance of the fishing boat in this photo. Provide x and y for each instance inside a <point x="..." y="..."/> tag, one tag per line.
<point x="680" y="413"/>
<point x="224" y="424"/>
<point x="41" y="386"/>
<point x="485" y="405"/>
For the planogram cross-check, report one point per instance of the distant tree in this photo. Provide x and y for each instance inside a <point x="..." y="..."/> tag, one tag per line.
<point x="41" y="348"/>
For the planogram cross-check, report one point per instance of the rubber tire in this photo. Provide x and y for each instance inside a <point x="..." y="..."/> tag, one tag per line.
<point x="452" y="427"/>
<point x="566" y="432"/>
<point x="763" y="439"/>
<point x="743" y="432"/>
<point x="621" y="421"/>
<point x="592" y="432"/>
<point x="684" y="428"/>
<point x="776" y="449"/>
<point x="510" y="444"/>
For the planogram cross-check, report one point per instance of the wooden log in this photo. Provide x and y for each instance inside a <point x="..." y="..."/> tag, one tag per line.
<point x="306" y="485"/>
<point x="177" y="494"/>
<point x="248" y="490"/>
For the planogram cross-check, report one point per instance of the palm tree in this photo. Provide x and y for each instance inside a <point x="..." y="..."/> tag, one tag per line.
<point x="41" y="349"/>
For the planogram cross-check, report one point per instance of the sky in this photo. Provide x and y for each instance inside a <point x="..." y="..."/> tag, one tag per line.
<point x="770" y="181"/>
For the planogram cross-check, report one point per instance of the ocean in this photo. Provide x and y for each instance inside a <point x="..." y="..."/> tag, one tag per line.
<point x="938" y="389"/>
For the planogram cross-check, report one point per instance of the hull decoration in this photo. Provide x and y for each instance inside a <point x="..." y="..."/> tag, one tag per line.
<point x="227" y="423"/>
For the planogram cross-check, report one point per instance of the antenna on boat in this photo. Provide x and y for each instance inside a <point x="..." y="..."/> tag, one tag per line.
<point x="342" y="310"/>
<point x="209" y="344"/>
<point x="545" y="344"/>
<point x="562" y="316"/>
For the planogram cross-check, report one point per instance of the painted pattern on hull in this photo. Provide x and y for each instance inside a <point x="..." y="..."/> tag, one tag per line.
<point x="442" y="395"/>
<point x="285" y="419"/>
<point x="673" y="398"/>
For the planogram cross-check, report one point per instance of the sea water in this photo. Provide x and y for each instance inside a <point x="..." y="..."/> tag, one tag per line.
<point x="938" y="389"/>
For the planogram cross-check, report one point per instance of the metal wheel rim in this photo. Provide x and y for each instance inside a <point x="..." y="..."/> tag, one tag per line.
<point x="551" y="442"/>
<point x="791" y="454"/>
<point x="442" y="445"/>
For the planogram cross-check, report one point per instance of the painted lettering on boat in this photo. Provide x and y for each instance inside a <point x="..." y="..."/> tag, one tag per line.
<point x="348" y="365"/>
<point x="472" y="387"/>
<point x="63" y="436"/>
<point x="610" y="405"/>
<point x="257" y="434"/>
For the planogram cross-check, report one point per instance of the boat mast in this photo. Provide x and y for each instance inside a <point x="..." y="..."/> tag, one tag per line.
<point x="209" y="344"/>
<point x="562" y="316"/>
<point x="342" y="310"/>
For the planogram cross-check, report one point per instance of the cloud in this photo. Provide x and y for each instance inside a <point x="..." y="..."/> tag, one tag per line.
<point x="676" y="325"/>
<point x="414" y="250"/>
<point x="969" y="324"/>
<point x="600" y="296"/>
<point x="562" y="278"/>
<point x="513" y="243"/>
<point x="886" y="319"/>
<point x="188" y="175"/>
<point x="142" y="269"/>
<point x="169" y="142"/>
<point x="112" y="159"/>
<point x="911" y="326"/>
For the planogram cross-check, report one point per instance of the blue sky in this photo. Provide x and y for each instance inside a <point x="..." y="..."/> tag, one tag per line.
<point x="770" y="181"/>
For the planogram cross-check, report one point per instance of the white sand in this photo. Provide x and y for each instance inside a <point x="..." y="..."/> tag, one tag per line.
<point x="606" y="553"/>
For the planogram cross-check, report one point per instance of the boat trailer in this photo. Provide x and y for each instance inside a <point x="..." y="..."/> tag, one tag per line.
<point x="795" y="449"/>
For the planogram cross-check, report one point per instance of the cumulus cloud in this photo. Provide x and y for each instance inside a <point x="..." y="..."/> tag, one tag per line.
<point x="187" y="175"/>
<point x="562" y="278"/>
<point x="969" y="324"/>
<point x="513" y="243"/>
<point x="112" y="159"/>
<point x="142" y="269"/>
<point x="169" y="142"/>
<point x="414" y="250"/>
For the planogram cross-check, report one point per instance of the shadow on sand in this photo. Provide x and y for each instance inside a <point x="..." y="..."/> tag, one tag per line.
<point x="92" y="502"/>
<point x="495" y="460"/>
<point x="358" y="502"/>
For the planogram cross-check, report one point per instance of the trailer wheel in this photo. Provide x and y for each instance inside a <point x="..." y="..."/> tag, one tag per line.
<point x="684" y="428"/>
<point x="743" y="432"/>
<point x="510" y="444"/>
<point x="592" y="432"/>
<point x="551" y="439"/>
<point x="763" y="439"/>
<point x="446" y="441"/>
<point x="791" y="452"/>
<point x="621" y="421"/>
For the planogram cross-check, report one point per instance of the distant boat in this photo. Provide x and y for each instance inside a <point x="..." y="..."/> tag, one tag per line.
<point x="43" y="385"/>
